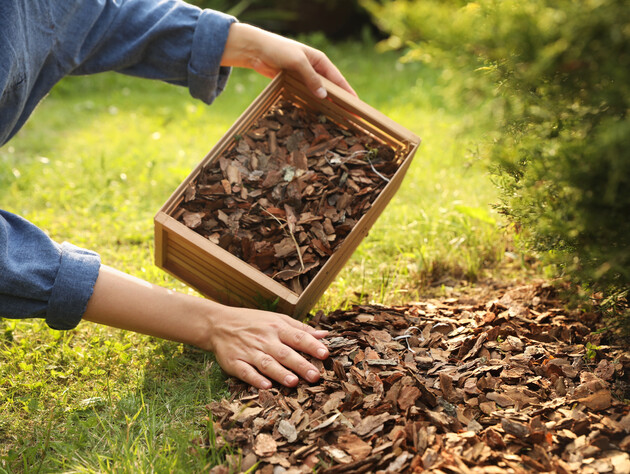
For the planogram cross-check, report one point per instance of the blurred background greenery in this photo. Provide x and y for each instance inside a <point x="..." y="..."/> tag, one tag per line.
<point x="337" y="19"/>
<point x="556" y="77"/>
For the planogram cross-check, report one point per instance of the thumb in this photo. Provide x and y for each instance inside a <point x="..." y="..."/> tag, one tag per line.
<point x="311" y="78"/>
<point x="323" y="67"/>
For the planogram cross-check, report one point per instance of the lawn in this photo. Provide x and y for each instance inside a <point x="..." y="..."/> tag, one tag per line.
<point x="94" y="164"/>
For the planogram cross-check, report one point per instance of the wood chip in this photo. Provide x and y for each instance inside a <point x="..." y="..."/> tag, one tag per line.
<point x="286" y="429"/>
<point x="265" y="445"/>
<point x="600" y="400"/>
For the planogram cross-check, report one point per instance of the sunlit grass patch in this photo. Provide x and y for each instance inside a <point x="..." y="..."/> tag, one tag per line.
<point x="95" y="399"/>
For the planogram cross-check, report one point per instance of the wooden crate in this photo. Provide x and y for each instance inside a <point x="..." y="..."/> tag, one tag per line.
<point x="223" y="277"/>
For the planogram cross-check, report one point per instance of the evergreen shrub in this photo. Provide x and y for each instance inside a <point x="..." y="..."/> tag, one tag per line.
<point x="559" y="74"/>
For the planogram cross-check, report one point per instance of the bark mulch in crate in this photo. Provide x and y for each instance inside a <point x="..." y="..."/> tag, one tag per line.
<point x="452" y="386"/>
<point x="285" y="197"/>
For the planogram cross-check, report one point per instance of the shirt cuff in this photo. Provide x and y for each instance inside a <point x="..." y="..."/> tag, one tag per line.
<point x="206" y="77"/>
<point x="73" y="287"/>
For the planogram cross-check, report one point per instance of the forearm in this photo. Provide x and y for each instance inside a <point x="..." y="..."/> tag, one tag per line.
<point x="127" y="302"/>
<point x="247" y="343"/>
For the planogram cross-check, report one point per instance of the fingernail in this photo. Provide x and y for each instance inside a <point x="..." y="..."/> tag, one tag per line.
<point x="312" y="375"/>
<point x="320" y="333"/>
<point x="322" y="353"/>
<point x="266" y="384"/>
<point x="290" y="379"/>
<point x="321" y="93"/>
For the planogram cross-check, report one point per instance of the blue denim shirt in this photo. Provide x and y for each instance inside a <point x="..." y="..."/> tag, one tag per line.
<point x="41" y="41"/>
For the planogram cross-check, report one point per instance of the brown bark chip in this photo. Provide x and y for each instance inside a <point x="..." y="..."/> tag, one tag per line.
<point x="354" y="446"/>
<point x="407" y="397"/>
<point x="513" y="393"/>
<point x="597" y="401"/>
<point x="265" y="445"/>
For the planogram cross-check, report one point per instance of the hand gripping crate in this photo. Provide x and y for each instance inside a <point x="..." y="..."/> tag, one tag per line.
<point x="223" y="277"/>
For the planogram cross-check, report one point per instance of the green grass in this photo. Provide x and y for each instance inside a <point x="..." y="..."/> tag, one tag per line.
<point x="93" y="165"/>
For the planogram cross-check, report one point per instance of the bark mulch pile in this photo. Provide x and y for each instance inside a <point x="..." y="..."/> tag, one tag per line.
<point x="514" y="383"/>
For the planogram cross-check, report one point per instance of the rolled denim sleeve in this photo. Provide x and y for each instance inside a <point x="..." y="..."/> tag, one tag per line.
<point x="168" y="40"/>
<point x="206" y="77"/>
<point x="40" y="278"/>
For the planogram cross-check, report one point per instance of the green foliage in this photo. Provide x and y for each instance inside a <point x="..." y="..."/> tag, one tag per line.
<point x="590" y="352"/>
<point x="559" y="74"/>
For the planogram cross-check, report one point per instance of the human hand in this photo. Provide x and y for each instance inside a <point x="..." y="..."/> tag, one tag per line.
<point x="256" y="345"/>
<point x="268" y="54"/>
<point x="248" y="343"/>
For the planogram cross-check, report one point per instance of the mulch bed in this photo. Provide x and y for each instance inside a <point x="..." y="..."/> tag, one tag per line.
<point x="507" y="383"/>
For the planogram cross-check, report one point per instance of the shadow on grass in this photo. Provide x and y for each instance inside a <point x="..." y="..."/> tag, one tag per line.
<point x="155" y="426"/>
<point x="183" y="373"/>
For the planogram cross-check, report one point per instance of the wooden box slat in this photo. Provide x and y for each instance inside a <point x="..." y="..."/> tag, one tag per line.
<point x="218" y="274"/>
<point x="234" y="274"/>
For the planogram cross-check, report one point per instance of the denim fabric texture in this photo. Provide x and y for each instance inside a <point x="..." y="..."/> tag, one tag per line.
<point x="41" y="41"/>
<point x="41" y="278"/>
